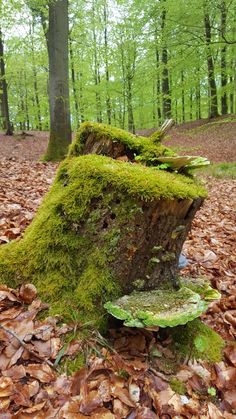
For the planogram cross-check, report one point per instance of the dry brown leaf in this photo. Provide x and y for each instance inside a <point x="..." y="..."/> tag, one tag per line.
<point x="120" y="409"/>
<point x="6" y="386"/>
<point x="90" y="402"/>
<point x="225" y="376"/>
<point x="42" y="372"/>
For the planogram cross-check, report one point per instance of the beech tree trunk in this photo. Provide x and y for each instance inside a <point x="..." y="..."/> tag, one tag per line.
<point x="75" y="92"/>
<point x="7" y="126"/>
<point x="108" y="99"/>
<point x="60" y="125"/>
<point x="166" y="98"/>
<point x="224" y="105"/>
<point x="213" y="104"/>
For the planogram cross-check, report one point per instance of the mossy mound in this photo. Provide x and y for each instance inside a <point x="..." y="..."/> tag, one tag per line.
<point x="134" y="145"/>
<point x="164" y="308"/>
<point x="196" y="340"/>
<point x="78" y="247"/>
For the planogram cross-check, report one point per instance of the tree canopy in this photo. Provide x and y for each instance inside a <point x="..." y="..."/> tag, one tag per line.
<point x="131" y="63"/>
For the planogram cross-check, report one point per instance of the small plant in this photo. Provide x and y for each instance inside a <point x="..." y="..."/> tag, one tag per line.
<point x="211" y="391"/>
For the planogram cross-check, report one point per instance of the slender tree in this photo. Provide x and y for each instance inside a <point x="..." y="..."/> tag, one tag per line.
<point x="166" y="98"/>
<point x="224" y="78"/>
<point x="213" y="104"/>
<point x="7" y="126"/>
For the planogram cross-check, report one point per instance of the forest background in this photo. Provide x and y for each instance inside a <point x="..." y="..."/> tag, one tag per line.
<point x="132" y="64"/>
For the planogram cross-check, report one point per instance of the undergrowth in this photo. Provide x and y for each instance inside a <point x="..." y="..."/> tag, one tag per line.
<point x="221" y="170"/>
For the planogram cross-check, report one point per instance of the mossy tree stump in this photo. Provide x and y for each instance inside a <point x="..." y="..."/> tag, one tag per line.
<point x="106" y="227"/>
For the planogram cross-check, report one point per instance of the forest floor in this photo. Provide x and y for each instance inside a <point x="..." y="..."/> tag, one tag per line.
<point x="122" y="380"/>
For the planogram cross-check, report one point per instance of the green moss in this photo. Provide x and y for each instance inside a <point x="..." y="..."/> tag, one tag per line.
<point x="73" y="365"/>
<point x="156" y="136"/>
<point x="136" y="180"/>
<point x="177" y="386"/>
<point x="202" y="286"/>
<point x="198" y="341"/>
<point x="142" y="146"/>
<point x="57" y="147"/>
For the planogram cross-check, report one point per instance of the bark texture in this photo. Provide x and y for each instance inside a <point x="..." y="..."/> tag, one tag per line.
<point x="60" y="127"/>
<point x="7" y="126"/>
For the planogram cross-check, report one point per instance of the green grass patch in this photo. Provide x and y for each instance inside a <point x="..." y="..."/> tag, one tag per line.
<point x="221" y="170"/>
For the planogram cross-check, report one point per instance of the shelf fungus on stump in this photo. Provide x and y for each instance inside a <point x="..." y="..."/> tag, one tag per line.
<point x="107" y="227"/>
<point x="163" y="307"/>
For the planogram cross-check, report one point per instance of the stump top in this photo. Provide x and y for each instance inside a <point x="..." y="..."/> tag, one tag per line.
<point x="137" y="144"/>
<point x="146" y="183"/>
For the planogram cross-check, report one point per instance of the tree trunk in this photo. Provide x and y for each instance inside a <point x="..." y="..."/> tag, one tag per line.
<point x="191" y="105"/>
<point x="224" y="106"/>
<point x="182" y="96"/>
<point x="166" y="99"/>
<point x="158" y="84"/>
<point x="4" y="96"/>
<point x="198" y="96"/>
<point x="108" y="99"/>
<point x="75" y="93"/>
<point x="60" y="127"/>
<point x="211" y="71"/>
<point x="131" y="126"/>
<point x="36" y="90"/>
<point x="26" y="104"/>
<point x="106" y="227"/>
<point x="96" y="69"/>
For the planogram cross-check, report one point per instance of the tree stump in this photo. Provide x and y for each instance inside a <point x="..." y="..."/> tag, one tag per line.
<point x="106" y="227"/>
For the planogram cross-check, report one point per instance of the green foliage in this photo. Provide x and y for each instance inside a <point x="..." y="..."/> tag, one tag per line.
<point x="177" y="386"/>
<point x="196" y="340"/>
<point x="221" y="170"/>
<point x="211" y="391"/>
<point x="125" y="72"/>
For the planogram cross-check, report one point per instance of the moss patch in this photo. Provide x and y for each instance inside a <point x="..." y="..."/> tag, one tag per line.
<point x="136" y="180"/>
<point x="202" y="286"/>
<point x="198" y="341"/>
<point x="177" y="386"/>
<point x="143" y="146"/>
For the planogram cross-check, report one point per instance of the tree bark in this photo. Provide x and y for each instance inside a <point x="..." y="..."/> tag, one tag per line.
<point x="26" y="104"/>
<point x="158" y="83"/>
<point x="108" y="99"/>
<point x="60" y="126"/>
<point x="182" y="96"/>
<point x="213" y="104"/>
<point x="166" y="98"/>
<point x="96" y="69"/>
<point x="4" y="96"/>
<point x="75" y="93"/>
<point x="36" y="90"/>
<point x="223" y="64"/>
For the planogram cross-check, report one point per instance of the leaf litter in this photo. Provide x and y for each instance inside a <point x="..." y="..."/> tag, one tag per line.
<point x="125" y="378"/>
